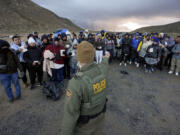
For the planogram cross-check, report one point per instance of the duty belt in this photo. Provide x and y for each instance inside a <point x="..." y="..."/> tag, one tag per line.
<point x="83" y="119"/>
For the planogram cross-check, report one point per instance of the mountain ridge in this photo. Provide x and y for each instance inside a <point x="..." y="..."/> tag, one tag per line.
<point x="168" y="28"/>
<point x="25" y="16"/>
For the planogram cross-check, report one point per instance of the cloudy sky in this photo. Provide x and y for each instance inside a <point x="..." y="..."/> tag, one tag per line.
<point x="115" y="15"/>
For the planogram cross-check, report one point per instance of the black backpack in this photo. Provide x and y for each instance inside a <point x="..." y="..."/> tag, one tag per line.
<point x="52" y="90"/>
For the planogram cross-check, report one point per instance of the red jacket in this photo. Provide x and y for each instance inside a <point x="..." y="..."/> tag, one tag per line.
<point x="56" y="50"/>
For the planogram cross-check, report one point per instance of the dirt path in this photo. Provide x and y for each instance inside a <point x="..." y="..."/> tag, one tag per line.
<point x="139" y="104"/>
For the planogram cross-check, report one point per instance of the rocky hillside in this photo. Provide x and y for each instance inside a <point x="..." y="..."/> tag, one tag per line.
<point x="169" y="28"/>
<point x="24" y="16"/>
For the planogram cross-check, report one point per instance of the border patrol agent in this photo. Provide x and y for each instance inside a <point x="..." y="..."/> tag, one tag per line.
<point x="85" y="103"/>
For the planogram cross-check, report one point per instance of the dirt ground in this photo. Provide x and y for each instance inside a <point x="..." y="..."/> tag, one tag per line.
<point x="139" y="104"/>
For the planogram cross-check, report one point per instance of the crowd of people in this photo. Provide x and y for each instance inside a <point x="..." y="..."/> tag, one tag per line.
<point x="56" y="55"/>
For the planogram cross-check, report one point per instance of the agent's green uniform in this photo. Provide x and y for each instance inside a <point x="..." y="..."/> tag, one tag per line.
<point x="85" y="102"/>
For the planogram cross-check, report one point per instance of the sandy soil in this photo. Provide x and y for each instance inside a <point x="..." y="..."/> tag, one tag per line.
<point x="139" y="104"/>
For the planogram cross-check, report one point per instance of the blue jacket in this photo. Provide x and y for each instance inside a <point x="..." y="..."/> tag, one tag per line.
<point x="176" y="51"/>
<point x="135" y="43"/>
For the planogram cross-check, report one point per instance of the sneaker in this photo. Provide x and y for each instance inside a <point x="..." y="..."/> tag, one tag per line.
<point x="11" y="100"/>
<point x="170" y="72"/>
<point x="18" y="97"/>
<point x="39" y="84"/>
<point x="137" y="65"/>
<point x="120" y="64"/>
<point x="130" y="62"/>
<point x="152" y="69"/>
<point x="177" y="73"/>
<point x="125" y="64"/>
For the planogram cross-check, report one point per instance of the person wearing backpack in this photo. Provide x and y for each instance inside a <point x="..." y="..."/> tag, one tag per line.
<point x="153" y="54"/>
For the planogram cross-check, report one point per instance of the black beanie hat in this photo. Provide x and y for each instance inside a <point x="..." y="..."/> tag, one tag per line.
<point x="63" y="35"/>
<point x="56" y="39"/>
<point x="4" y="43"/>
<point x="44" y="37"/>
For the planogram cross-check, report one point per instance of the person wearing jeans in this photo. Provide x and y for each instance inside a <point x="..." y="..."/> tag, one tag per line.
<point x="58" y="75"/>
<point x="20" y="47"/>
<point x="110" y="47"/>
<point x="73" y="60"/>
<point x="6" y="80"/>
<point x="175" y="64"/>
<point x="135" y="48"/>
<point x="58" y="61"/>
<point x="9" y="63"/>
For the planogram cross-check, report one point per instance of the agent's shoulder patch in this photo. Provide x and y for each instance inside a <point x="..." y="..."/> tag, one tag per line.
<point x="68" y="93"/>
